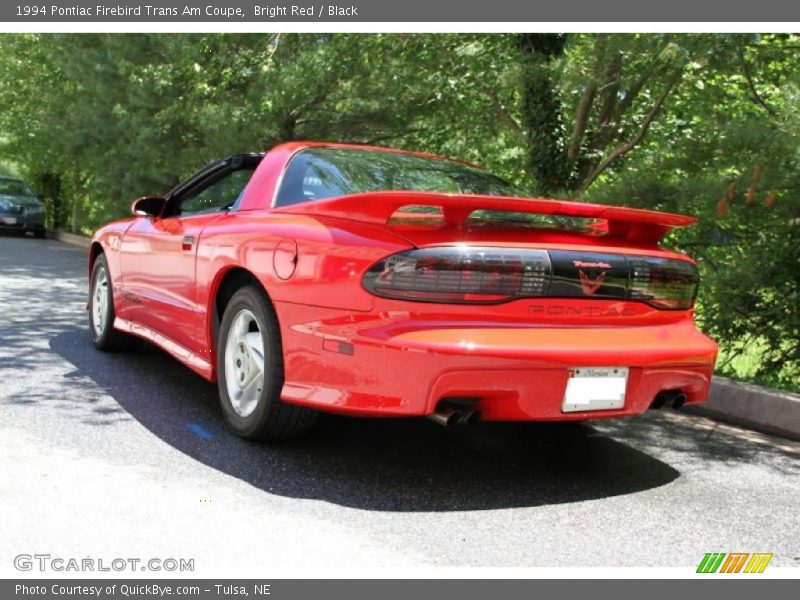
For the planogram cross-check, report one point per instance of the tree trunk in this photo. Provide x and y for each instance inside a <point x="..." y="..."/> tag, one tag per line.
<point x="541" y="112"/>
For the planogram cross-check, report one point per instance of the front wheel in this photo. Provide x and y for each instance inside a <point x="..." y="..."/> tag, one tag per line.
<point x="101" y="309"/>
<point x="250" y="372"/>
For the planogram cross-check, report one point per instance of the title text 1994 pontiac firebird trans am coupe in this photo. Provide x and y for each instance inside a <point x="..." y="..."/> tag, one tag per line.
<point x="370" y="281"/>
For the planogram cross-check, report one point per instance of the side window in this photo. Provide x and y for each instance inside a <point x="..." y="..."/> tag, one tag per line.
<point x="309" y="178"/>
<point x="220" y="195"/>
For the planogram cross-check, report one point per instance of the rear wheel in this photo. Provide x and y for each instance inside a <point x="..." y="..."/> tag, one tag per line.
<point x="101" y="309"/>
<point x="250" y="372"/>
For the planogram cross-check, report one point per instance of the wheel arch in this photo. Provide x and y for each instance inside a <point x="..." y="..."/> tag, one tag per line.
<point x="226" y="284"/>
<point x="95" y="250"/>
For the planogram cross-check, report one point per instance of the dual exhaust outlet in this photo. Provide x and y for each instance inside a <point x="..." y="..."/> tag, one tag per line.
<point x="450" y="414"/>
<point x="674" y="398"/>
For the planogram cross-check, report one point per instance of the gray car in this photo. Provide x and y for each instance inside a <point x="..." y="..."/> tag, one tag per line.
<point x="20" y="209"/>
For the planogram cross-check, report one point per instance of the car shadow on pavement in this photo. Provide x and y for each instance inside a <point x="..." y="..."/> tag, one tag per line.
<point x="372" y="464"/>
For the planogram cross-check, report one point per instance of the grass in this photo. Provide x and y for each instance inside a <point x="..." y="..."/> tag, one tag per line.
<point x="746" y="366"/>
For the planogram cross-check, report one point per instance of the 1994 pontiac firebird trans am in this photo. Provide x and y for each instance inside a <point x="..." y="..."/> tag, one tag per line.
<point x="377" y="282"/>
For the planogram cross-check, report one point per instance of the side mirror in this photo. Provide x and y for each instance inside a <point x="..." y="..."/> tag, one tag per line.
<point x="148" y="206"/>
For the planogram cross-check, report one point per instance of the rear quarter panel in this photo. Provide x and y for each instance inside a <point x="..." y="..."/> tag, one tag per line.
<point x="330" y="258"/>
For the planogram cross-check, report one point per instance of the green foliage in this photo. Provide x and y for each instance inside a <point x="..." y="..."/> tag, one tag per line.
<point x="727" y="150"/>
<point x="703" y="124"/>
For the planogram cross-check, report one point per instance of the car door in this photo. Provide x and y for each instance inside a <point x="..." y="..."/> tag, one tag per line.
<point x="158" y="253"/>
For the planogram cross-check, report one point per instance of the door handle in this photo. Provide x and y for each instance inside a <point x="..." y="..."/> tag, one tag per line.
<point x="188" y="242"/>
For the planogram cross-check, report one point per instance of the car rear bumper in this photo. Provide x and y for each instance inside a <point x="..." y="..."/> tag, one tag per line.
<point x="11" y="223"/>
<point x="401" y="365"/>
<point x="19" y="223"/>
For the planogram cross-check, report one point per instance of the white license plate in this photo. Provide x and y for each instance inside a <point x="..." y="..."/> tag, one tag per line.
<point x="595" y="388"/>
<point x="9" y="220"/>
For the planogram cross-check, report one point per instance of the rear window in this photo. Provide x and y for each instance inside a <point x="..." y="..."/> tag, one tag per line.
<point x="319" y="173"/>
<point x="15" y="187"/>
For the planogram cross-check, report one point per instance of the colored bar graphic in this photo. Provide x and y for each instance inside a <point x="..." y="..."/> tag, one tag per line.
<point x="702" y="566"/>
<point x="734" y="562"/>
<point x="712" y="561"/>
<point x="740" y="564"/>
<point x="758" y="562"/>
<point x="717" y="562"/>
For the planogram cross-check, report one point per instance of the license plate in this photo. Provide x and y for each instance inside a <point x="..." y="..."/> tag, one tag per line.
<point x="9" y="220"/>
<point x="595" y="388"/>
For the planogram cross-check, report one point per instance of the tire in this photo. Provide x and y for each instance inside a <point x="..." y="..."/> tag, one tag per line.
<point x="101" y="311"/>
<point x="250" y="372"/>
<point x="40" y="233"/>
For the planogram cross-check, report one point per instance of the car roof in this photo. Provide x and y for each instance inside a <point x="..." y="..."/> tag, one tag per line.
<point x="297" y="146"/>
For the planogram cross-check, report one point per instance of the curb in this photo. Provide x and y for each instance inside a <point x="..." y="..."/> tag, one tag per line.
<point x="69" y="238"/>
<point x="745" y="404"/>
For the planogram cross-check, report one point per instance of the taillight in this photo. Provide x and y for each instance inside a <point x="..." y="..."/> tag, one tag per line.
<point x="663" y="283"/>
<point x="490" y="275"/>
<point x="461" y="274"/>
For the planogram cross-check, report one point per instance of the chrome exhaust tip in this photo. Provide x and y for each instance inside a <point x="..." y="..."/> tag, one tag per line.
<point x="471" y="417"/>
<point x="659" y="401"/>
<point x="447" y="417"/>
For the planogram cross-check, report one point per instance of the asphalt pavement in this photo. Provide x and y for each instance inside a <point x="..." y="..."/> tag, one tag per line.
<point x="127" y="454"/>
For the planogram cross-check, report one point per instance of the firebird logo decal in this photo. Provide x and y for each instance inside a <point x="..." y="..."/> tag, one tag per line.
<point x="590" y="285"/>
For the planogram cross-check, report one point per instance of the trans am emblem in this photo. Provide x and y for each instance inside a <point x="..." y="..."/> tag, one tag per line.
<point x="589" y="285"/>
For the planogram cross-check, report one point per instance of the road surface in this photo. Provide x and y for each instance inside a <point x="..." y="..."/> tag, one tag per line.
<point x="127" y="455"/>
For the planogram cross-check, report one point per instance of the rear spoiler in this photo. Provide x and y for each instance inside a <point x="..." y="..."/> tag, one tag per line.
<point x="377" y="208"/>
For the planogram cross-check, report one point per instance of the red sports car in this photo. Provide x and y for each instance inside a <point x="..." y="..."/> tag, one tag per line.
<point x="370" y="281"/>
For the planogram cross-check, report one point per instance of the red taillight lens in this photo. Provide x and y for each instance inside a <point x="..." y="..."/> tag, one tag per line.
<point x="479" y="275"/>
<point x="662" y="283"/>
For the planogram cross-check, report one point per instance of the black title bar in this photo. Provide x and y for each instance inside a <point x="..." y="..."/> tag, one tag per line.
<point x="406" y="589"/>
<point x="465" y="11"/>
